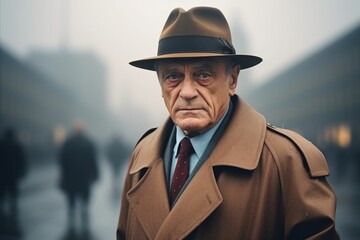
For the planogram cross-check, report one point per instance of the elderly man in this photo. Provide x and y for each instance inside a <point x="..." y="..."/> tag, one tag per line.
<point x="215" y="169"/>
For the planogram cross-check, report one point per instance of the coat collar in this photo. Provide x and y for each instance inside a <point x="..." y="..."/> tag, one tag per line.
<point x="240" y="146"/>
<point x="243" y="139"/>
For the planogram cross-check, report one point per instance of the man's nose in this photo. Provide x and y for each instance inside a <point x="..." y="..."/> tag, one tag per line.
<point x="188" y="88"/>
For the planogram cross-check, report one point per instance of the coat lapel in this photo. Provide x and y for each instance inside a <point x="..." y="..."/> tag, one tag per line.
<point x="196" y="203"/>
<point x="149" y="198"/>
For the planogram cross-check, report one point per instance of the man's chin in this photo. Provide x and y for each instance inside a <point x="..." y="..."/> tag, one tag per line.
<point x="192" y="126"/>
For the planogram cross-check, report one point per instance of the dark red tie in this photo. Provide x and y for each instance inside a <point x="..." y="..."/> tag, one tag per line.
<point x="181" y="172"/>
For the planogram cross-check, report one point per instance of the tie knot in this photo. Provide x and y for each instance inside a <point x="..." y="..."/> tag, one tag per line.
<point x="185" y="146"/>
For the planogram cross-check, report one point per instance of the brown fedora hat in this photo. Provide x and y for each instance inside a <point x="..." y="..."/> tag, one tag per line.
<point x="199" y="32"/>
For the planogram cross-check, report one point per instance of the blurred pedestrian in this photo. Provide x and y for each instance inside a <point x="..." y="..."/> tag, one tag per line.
<point x="13" y="168"/>
<point x="117" y="153"/>
<point x="79" y="171"/>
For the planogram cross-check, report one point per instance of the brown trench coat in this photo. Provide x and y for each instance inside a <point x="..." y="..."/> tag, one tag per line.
<point x="260" y="182"/>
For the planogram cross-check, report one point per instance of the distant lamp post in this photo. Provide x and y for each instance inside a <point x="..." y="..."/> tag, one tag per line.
<point x="344" y="136"/>
<point x="59" y="134"/>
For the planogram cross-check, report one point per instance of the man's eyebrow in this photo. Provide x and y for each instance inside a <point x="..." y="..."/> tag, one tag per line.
<point x="174" y="67"/>
<point x="168" y="70"/>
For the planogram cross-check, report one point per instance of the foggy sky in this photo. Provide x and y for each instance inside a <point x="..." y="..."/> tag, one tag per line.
<point x="281" y="32"/>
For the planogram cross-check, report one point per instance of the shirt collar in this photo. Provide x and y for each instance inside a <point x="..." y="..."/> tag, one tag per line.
<point x="199" y="142"/>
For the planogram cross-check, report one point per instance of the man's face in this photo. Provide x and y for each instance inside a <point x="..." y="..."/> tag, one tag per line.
<point x="197" y="92"/>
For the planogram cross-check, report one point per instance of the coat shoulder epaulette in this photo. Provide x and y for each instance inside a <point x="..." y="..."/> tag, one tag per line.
<point x="315" y="160"/>
<point x="148" y="132"/>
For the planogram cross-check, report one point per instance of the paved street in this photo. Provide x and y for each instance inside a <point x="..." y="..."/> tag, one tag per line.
<point x="348" y="208"/>
<point x="43" y="210"/>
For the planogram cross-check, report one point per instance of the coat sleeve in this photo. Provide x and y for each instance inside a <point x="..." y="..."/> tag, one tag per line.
<point x="309" y="200"/>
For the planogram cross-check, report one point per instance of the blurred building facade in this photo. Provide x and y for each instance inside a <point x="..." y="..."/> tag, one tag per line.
<point x="319" y="97"/>
<point x="84" y="75"/>
<point x="33" y="105"/>
<point x="41" y="98"/>
<point x="80" y="72"/>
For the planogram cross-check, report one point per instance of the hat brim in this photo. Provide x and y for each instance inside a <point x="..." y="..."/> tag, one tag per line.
<point x="245" y="61"/>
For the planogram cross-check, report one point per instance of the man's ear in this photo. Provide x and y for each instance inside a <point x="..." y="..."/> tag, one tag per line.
<point x="234" y="79"/>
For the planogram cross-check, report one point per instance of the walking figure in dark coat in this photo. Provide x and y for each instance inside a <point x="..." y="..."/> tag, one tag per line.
<point x="79" y="171"/>
<point x="117" y="154"/>
<point x="12" y="170"/>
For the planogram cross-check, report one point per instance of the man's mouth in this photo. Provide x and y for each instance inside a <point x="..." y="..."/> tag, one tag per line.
<point x="189" y="109"/>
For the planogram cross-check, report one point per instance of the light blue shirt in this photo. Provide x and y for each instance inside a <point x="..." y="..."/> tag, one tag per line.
<point x="199" y="143"/>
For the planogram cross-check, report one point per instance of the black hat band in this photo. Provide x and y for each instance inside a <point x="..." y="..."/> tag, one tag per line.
<point x="194" y="43"/>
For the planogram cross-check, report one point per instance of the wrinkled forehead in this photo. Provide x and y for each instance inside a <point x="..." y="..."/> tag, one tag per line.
<point x="196" y="62"/>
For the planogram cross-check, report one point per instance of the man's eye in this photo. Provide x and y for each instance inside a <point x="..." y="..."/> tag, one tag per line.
<point x="173" y="77"/>
<point x="203" y="75"/>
